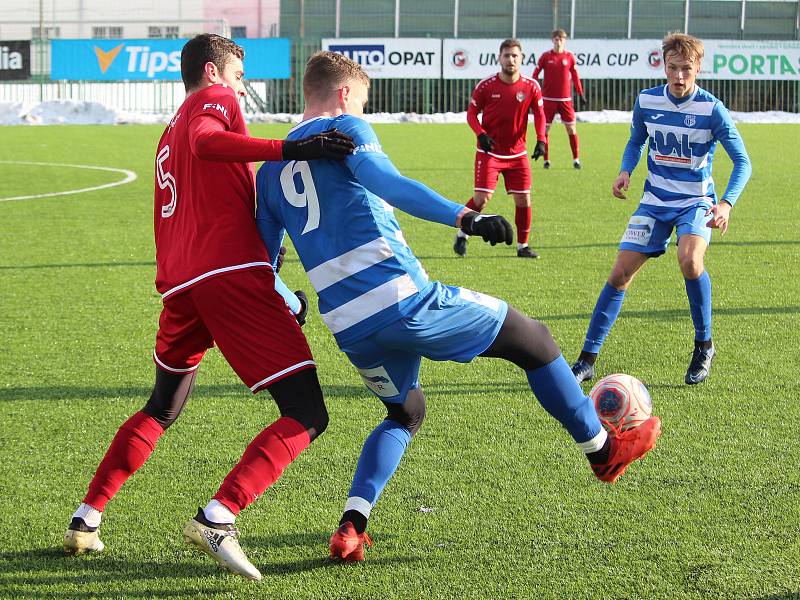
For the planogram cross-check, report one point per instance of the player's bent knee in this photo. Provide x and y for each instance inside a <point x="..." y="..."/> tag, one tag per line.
<point x="169" y="396"/>
<point x="299" y="397"/>
<point x="525" y="342"/>
<point x="691" y="267"/>
<point x="410" y="413"/>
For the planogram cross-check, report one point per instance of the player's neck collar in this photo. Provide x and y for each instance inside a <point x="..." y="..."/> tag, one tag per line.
<point x="306" y="122"/>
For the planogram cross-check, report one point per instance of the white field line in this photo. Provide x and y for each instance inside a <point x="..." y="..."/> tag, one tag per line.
<point x="129" y="177"/>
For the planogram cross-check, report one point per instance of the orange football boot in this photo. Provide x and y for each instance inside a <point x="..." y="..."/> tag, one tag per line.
<point x="627" y="447"/>
<point x="348" y="545"/>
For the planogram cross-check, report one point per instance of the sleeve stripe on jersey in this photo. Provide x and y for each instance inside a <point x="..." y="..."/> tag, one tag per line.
<point x="343" y="266"/>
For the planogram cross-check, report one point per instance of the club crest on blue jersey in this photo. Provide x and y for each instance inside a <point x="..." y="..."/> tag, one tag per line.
<point x="689" y="120"/>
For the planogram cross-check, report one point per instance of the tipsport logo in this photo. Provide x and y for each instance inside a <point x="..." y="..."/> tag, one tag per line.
<point x="139" y="60"/>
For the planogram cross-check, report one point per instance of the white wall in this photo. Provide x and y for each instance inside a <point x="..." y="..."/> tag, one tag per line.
<point x="75" y="18"/>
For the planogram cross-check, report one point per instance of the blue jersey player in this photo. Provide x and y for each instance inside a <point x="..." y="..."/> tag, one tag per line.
<point x="680" y="123"/>
<point x="382" y="309"/>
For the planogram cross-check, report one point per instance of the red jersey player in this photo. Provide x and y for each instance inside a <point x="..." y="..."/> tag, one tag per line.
<point x="505" y="100"/>
<point x="560" y="75"/>
<point x="218" y="286"/>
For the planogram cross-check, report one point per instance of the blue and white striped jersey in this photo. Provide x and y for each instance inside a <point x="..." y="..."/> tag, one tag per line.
<point x="346" y="236"/>
<point x="681" y="136"/>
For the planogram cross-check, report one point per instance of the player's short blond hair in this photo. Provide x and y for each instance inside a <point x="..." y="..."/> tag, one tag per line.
<point x="327" y="71"/>
<point x="558" y="33"/>
<point x="682" y="44"/>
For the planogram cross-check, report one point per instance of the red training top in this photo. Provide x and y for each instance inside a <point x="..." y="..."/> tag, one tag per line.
<point x="505" y="108"/>
<point x="205" y="192"/>
<point x="557" y="70"/>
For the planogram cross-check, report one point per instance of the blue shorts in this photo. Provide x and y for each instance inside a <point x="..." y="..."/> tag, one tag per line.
<point x="650" y="228"/>
<point x="448" y="323"/>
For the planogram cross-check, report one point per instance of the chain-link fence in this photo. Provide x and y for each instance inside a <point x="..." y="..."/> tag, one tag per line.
<point x="718" y="19"/>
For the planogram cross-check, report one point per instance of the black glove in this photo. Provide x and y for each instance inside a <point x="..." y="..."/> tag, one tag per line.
<point x="301" y="316"/>
<point x="330" y="145"/>
<point x="538" y="150"/>
<point x="485" y="142"/>
<point x="281" y="256"/>
<point x="582" y="99"/>
<point x="492" y="228"/>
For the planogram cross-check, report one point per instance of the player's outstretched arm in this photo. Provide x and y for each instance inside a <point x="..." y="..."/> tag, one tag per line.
<point x="328" y="145"/>
<point x="379" y="176"/>
<point x="492" y="228"/>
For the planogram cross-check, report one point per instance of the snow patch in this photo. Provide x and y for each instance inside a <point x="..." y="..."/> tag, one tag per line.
<point x="81" y="112"/>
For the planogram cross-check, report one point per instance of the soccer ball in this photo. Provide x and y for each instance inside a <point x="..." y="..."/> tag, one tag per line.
<point x="622" y="402"/>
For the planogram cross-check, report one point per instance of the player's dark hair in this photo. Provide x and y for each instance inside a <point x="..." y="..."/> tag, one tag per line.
<point x="687" y="46"/>
<point x="558" y="33"/>
<point x="202" y="49"/>
<point x="326" y="71"/>
<point x="510" y="43"/>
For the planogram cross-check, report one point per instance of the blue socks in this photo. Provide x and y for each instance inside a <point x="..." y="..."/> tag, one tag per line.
<point x="605" y="313"/>
<point x="699" y="292"/>
<point x="379" y="458"/>
<point x="559" y="393"/>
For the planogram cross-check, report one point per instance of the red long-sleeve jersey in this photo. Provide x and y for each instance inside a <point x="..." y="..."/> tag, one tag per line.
<point x="505" y="108"/>
<point x="558" y="69"/>
<point x="205" y="192"/>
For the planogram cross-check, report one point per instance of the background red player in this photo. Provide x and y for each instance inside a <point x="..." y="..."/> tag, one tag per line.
<point x="558" y="66"/>
<point x="505" y="100"/>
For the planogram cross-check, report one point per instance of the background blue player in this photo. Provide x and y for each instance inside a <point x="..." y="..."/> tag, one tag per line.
<point x="379" y="304"/>
<point x="681" y="124"/>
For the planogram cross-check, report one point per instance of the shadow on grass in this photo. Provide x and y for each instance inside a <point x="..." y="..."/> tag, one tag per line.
<point x="683" y="313"/>
<point x="50" y="567"/>
<point x="358" y="393"/>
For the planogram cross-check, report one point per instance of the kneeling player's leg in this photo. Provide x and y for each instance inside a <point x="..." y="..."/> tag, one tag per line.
<point x="529" y="344"/>
<point x="393" y="376"/>
<point x="181" y="342"/>
<point x="381" y="455"/>
<point x="303" y="418"/>
<point x="264" y="345"/>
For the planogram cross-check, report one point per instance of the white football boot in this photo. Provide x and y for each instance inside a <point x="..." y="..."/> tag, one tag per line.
<point x="222" y="544"/>
<point x="79" y="539"/>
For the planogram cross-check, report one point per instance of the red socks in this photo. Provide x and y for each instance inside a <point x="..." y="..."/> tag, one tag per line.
<point x="522" y="219"/>
<point x="262" y="463"/>
<point x="471" y="205"/>
<point x="132" y="445"/>
<point x="573" y="143"/>
<point x="547" y="148"/>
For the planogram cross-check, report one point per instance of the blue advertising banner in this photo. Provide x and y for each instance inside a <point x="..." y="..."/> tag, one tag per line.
<point x="117" y="60"/>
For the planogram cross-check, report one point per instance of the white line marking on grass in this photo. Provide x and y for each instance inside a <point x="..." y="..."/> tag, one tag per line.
<point x="129" y="177"/>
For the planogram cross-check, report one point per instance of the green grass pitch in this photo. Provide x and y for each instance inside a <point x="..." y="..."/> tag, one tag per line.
<point x="492" y="499"/>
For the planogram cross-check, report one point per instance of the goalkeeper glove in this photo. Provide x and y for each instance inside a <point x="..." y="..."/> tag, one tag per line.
<point x="492" y="228"/>
<point x="330" y="145"/>
<point x="538" y="150"/>
<point x="485" y="142"/>
<point x="301" y="316"/>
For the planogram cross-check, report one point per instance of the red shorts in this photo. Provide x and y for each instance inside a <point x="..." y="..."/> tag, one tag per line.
<point x="248" y="320"/>
<point x="565" y="109"/>
<point x="516" y="173"/>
